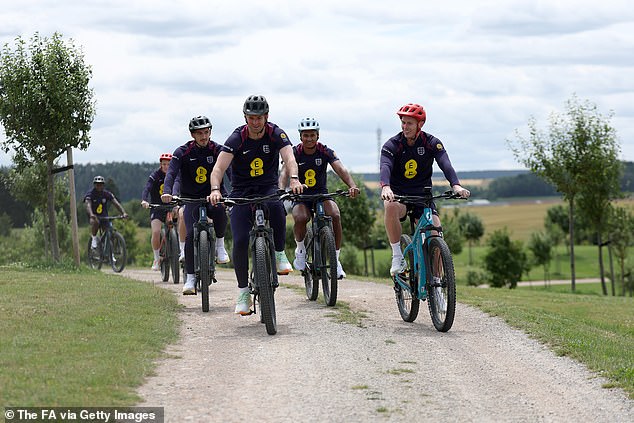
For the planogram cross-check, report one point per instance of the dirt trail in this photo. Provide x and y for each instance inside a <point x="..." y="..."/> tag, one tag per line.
<point x="225" y="368"/>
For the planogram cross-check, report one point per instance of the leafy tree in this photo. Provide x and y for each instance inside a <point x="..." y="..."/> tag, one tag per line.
<point x="541" y="246"/>
<point x="564" y="155"/>
<point x="46" y="106"/>
<point x="621" y="232"/>
<point x="356" y="215"/>
<point x="472" y="229"/>
<point x="505" y="260"/>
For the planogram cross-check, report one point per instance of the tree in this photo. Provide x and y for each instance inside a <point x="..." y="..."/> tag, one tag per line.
<point x="621" y="233"/>
<point x="472" y="229"/>
<point x="564" y="155"/>
<point x="46" y="106"/>
<point x="505" y="260"/>
<point x="541" y="246"/>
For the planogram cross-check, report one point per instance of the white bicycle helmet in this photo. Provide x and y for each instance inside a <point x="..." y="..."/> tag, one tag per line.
<point x="98" y="180"/>
<point x="308" y="124"/>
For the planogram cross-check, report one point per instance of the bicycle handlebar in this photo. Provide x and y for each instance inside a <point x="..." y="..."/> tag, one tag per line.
<point x="110" y="217"/>
<point x="179" y="201"/>
<point x="278" y="195"/>
<point x="427" y="197"/>
<point x="320" y="196"/>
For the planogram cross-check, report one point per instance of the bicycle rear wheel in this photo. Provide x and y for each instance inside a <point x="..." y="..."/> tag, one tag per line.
<point x="118" y="253"/>
<point x="311" y="283"/>
<point x="173" y="254"/>
<point x="94" y="255"/>
<point x="205" y="275"/>
<point x="442" y="289"/>
<point x="263" y="276"/>
<point x="165" y="265"/>
<point x="407" y="301"/>
<point x="328" y="265"/>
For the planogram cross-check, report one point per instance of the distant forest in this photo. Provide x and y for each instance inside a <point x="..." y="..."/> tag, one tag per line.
<point x="127" y="180"/>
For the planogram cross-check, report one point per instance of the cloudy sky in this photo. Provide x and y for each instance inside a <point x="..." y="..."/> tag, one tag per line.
<point x="481" y="69"/>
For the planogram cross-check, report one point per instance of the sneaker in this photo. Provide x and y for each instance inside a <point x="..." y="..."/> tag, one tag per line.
<point x="221" y="255"/>
<point x="155" y="265"/>
<point x="398" y="265"/>
<point x="340" y="273"/>
<point x="282" y="264"/>
<point x="300" y="260"/>
<point x="190" y="286"/>
<point x="243" y="304"/>
<point x="181" y="258"/>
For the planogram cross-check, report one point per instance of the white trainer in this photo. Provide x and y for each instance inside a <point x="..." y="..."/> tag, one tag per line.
<point x="155" y="265"/>
<point x="282" y="263"/>
<point x="221" y="255"/>
<point x="190" y="285"/>
<point x="243" y="304"/>
<point x="398" y="265"/>
<point x="181" y="258"/>
<point x="300" y="260"/>
<point x="340" y="273"/>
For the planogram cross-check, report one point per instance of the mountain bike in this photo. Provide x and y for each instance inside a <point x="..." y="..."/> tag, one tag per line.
<point x="263" y="273"/>
<point x="429" y="271"/>
<point x="321" y="255"/>
<point x="169" y="249"/>
<point x="204" y="248"/>
<point x="110" y="246"/>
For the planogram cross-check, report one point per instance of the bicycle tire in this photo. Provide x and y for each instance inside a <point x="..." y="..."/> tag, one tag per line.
<point x="205" y="279"/>
<point x="163" y="254"/>
<point x="173" y="254"/>
<point x="408" y="302"/>
<point x="441" y="299"/>
<point x="263" y="276"/>
<point x="94" y="255"/>
<point x="310" y="282"/>
<point x="328" y="265"/>
<point x="118" y="252"/>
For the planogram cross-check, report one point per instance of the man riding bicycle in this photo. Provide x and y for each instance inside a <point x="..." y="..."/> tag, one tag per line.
<point x="97" y="200"/>
<point x="312" y="159"/>
<point x="253" y="150"/>
<point x="195" y="161"/>
<point x="406" y="169"/>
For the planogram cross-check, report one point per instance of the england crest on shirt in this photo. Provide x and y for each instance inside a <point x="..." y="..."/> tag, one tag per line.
<point x="318" y="161"/>
<point x="210" y="159"/>
<point x="266" y="148"/>
<point x="420" y="151"/>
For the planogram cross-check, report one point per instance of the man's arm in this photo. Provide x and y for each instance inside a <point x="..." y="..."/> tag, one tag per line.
<point x="119" y="206"/>
<point x="291" y="167"/>
<point x="221" y="166"/>
<point x="283" y="179"/>
<point x="345" y="176"/>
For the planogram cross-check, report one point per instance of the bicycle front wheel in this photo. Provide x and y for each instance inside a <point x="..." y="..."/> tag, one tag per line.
<point x="407" y="299"/>
<point x="328" y="265"/>
<point x="442" y="288"/>
<point x="173" y="254"/>
<point x="94" y="255"/>
<point x="118" y="253"/>
<point x="205" y="276"/>
<point x="263" y="276"/>
<point x="164" y="252"/>
<point x="311" y="283"/>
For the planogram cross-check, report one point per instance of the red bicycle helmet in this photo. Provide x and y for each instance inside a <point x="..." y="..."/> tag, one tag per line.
<point x="414" y="110"/>
<point x="165" y="156"/>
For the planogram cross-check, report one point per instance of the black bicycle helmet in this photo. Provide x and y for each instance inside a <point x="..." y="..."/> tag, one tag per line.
<point x="256" y="105"/>
<point x="199" y="122"/>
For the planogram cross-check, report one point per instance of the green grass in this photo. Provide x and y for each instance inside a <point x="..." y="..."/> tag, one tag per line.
<point x="596" y="330"/>
<point x="79" y="338"/>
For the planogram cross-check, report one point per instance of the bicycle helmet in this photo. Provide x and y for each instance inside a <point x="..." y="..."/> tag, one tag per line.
<point x="255" y="105"/>
<point x="413" y="110"/>
<point x="98" y="180"/>
<point x="199" y="122"/>
<point x="165" y="156"/>
<point x="308" y="124"/>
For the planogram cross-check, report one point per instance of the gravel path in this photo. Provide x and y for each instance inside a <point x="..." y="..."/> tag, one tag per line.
<point x="227" y="369"/>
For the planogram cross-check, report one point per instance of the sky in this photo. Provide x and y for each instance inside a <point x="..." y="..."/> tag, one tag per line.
<point x="480" y="69"/>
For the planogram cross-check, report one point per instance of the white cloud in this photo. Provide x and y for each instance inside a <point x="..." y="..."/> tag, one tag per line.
<point x="481" y="69"/>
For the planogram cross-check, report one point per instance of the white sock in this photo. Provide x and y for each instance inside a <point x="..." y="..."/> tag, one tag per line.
<point x="338" y="252"/>
<point x="182" y="247"/>
<point x="94" y="240"/>
<point x="243" y="290"/>
<point x="191" y="278"/>
<point x="220" y="242"/>
<point x="300" y="246"/>
<point x="396" y="249"/>
<point x="156" y="254"/>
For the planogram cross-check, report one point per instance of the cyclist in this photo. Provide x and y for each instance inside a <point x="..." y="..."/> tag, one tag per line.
<point x="406" y="169"/>
<point x="253" y="151"/>
<point x="152" y="194"/>
<point x="194" y="161"/>
<point x="312" y="159"/>
<point x="97" y="200"/>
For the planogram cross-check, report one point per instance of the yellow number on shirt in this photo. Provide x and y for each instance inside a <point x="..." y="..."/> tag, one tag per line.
<point x="99" y="209"/>
<point x="410" y="169"/>
<point x="309" y="175"/>
<point x="257" y="167"/>
<point x="161" y="189"/>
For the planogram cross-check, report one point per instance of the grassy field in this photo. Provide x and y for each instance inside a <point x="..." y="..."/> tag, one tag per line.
<point x="79" y="338"/>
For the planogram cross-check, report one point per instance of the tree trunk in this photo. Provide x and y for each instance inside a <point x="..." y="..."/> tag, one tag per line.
<point x="50" y="208"/>
<point x="571" y="229"/>
<point x="73" y="206"/>
<point x="612" y="281"/>
<point x="601" y="270"/>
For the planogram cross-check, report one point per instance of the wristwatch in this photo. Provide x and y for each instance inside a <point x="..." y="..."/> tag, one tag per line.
<point x="294" y="177"/>
<point x="215" y="188"/>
